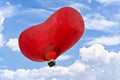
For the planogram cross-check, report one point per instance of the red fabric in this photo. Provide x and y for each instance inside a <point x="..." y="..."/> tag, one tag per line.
<point x="57" y="34"/>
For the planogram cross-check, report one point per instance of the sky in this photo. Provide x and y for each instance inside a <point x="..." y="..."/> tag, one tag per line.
<point x="96" y="56"/>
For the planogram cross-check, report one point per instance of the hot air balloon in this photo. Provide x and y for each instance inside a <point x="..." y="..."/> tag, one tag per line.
<point x="50" y="39"/>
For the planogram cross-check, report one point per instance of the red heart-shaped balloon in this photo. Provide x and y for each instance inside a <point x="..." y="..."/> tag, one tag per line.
<point x="48" y="40"/>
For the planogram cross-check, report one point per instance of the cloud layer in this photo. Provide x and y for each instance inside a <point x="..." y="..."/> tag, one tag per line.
<point x="96" y="63"/>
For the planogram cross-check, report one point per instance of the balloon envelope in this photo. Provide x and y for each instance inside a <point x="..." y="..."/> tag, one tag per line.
<point x="50" y="39"/>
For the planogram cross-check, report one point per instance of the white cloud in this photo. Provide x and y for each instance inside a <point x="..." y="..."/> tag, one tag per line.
<point x="13" y="44"/>
<point x="108" y="1"/>
<point x="1" y="20"/>
<point x="8" y="3"/>
<point x="5" y="12"/>
<point x="96" y="63"/>
<point x="8" y="10"/>
<point x="38" y="12"/>
<point x="54" y="79"/>
<point x="89" y="1"/>
<point x="1" y="40"/>
<point x="64" y="57"/>
<point x="72" y="72"/>
<point x="103" y="63"/>
<point x="8" y="74"/>
<point x="97" y="53"/>
<point x="79" y="6"/>
<point x="108" y="41"/>
<point x="1" y="28"/>
<point x="96" y="21"/>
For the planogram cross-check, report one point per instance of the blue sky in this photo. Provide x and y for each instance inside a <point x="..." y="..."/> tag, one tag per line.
<point x="95" y="57"/>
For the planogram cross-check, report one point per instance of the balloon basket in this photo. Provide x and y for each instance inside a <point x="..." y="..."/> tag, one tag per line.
<point x="51" y="63"/>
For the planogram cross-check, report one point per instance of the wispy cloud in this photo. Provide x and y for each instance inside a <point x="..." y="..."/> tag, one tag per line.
<point x="64" y="57"/>
<point x="96" y="21"/>
<point x="1" y="40"/>
<point x="108" y="41"/>
<point x="108" y="1"/>
<point x="1" y="21"/>
<point x="58" y="3"/>
<point x="96" y="63"/>
<point x="79" y="6"/>
<point x="89" y="1"/>
<point x="35" y="11"/>
<point x="5" y="12"/>
<point x="13" y="44"/>
<point x="8" y="10"/>
<point x="1" y="28"/>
